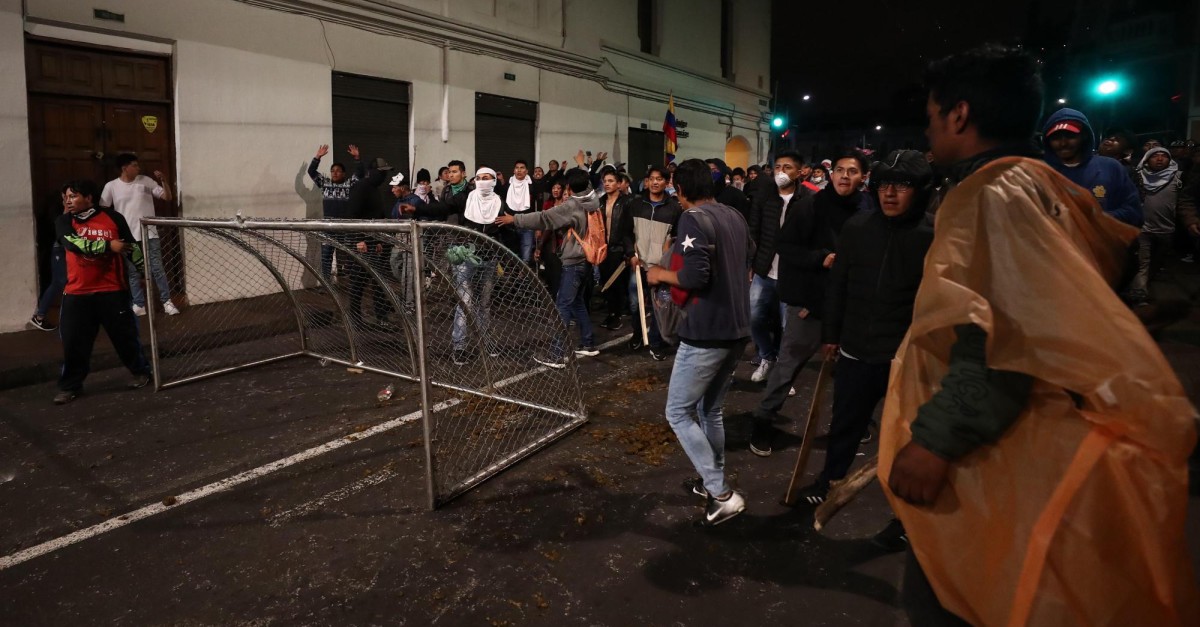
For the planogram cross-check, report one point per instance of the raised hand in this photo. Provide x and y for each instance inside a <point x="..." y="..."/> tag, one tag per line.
<point x="159" y="175"/>
<point x="579" y="157"/>
<point x="322" y="150"/>
<point x="353" y="150"/>
<point x="601" y="156"/>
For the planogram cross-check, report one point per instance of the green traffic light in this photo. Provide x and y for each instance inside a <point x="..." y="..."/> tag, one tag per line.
<point x="1108" y="87"/>
<point x="777" y="122"/>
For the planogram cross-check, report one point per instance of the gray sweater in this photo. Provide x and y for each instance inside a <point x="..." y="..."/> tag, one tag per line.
<point x="571" y="214"/>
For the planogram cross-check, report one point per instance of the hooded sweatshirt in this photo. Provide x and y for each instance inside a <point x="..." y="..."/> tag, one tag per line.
<point x="573" y="213"/>
<point x="1104" y="177"/>
<point x="1161" y="197"/>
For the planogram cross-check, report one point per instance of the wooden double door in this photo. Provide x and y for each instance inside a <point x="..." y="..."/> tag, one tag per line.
<point x="86" y="106"/>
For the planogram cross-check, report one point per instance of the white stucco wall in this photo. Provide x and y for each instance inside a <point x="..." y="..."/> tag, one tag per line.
<point x="253" y="101"/>
<point x="19" y="282"/>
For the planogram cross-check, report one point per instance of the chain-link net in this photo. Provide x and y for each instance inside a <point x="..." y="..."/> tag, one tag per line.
<point x="495" y="349"/>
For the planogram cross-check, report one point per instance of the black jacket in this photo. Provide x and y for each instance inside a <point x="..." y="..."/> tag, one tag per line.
<point x="809" y="234"/>
<point x="364" y="202"/>
<point x="616" y="241"/>
<point x="873" y="284"/>
<point x="653" y="225"/>
<point x="764" y="226"/>
<point x="451" y="208"/>
<point x="730" y="196"/>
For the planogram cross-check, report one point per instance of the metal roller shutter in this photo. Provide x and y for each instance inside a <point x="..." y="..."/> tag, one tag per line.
<point x="645" y="150"/>
<point x="373" y="114"/>
<point x="505" y="131"/>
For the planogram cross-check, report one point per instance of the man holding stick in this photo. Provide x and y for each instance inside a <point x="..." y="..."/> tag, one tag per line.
<point x="649" y="222"/>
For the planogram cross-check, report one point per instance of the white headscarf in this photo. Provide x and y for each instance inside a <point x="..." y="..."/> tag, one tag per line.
<point x="518" y="196"/>
<point x="483" y="203"/>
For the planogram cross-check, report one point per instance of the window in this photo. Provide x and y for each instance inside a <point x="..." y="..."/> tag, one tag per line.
<point x="647" y="23"/>
<point x="504" y="131"/>
<point x="727" y="39"/>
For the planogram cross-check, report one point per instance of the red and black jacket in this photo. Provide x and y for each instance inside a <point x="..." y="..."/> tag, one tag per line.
<point x="92" y="267"/>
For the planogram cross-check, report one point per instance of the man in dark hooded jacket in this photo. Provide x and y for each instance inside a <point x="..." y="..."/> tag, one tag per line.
<point x="727" y="195"/>
<point x="1069" y="142"/>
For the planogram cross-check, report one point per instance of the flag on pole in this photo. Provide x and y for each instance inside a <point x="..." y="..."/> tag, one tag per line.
<point x="669" y="129"/>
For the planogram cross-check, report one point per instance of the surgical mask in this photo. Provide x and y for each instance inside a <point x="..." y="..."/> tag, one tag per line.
<point x="818" y="179"/>
<point x="485" y="186"/>
<point x="739" y="185"/>
<point x="782" y="179"/>
<point x="422" y="188"/>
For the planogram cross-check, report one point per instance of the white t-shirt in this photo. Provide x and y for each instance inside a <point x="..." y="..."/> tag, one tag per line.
<point x="787" y="198"/>
<point x="133" y="201"/>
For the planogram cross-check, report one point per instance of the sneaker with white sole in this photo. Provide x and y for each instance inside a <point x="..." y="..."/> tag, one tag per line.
<point x="812" y="495"/>
<point x="763" y="371"/>
<point x="587" y="351"/>
<point x="695" y="485"/>
<point x="170" y="308"/>
<point x="718" y="511"/>
<point x="40" y="322"/>
<point x="139" y="310"/>
<point x="761" y="438"/>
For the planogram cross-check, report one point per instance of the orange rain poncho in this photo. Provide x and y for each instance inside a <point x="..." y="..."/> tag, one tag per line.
<point x="1074" y="516"/>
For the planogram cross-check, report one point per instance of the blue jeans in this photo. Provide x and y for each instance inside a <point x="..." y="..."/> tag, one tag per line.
<point x="695" y="400"/>
<point x="571" y="307"/>
<point x="58" y="280"/>
<point x="527" y="239"/>
<point x="656" y="340"/>
<point x="152" y="252"/>
<point x="474" y="284"/>
<point x="326" y="260"/>
<point x="764" y="327"/>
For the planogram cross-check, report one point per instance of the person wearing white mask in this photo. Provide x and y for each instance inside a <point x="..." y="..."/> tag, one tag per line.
<point x="476" y="205"/>
<point x="520" y="199"/>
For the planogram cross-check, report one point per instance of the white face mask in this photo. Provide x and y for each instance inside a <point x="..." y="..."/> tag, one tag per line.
<point x="782" y="179"/>
<point x="818" y="179"/>
<point x="485" y="186"/>
<point x="739" y="185"/>
<point x="423" y="188"/>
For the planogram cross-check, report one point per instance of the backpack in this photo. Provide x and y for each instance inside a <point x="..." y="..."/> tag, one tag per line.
<point x="669" y="302"/>
<point x="595" y="241"/>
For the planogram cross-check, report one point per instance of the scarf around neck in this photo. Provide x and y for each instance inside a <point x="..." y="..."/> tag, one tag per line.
<point x="518" y="195"/>
<point x="483" y="207"/>
<point x="1154" y="181"/>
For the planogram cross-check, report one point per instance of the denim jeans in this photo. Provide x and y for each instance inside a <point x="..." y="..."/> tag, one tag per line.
<point x="570" y="306"/>
<point x="527" y="240"/>
<point x="765" y="329"/>
<point x="152" y="253"/>
<point x="656" y="340"/>
<point x="58" y="280"/>
<point x="695" y="399"/>
<point x="326" y="260"/>
<point x="474" y="284"/>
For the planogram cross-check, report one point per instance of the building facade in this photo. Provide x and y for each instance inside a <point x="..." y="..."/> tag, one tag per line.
<point x="231" y="97"/>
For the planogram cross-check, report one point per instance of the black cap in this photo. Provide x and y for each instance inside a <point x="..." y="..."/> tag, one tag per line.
<point x="907" y="165"/>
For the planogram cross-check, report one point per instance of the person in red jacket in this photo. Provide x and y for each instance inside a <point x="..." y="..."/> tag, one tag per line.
<point x="97" y="293"/>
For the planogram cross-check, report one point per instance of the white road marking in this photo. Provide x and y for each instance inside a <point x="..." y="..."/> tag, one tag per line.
<point x="339" y="494"/>
<point x="228" y="483"/>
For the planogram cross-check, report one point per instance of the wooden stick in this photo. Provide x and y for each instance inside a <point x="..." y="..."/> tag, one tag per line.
<point x="637" y="272"/>
<point x="810" y="431"/>
<point x="613" y="278"/>
<point x="844" y="491"/>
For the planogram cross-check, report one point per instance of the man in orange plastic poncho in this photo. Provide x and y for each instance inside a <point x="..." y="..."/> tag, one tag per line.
<point x="1034" y="438"/>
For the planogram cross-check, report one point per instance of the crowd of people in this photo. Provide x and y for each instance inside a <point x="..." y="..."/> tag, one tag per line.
<point x="965" y="286"/>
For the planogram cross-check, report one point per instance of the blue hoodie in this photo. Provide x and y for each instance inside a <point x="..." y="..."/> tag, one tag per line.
<point x="1104" y="177"/>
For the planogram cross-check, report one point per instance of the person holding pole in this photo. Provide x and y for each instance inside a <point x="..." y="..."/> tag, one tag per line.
<point x="648" y="223"/>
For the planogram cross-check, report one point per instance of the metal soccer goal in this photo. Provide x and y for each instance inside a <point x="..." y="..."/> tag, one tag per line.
<point x="442" y="306"/>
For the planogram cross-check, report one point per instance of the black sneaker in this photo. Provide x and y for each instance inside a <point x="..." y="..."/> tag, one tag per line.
<point x="65" y="396"/>
<point x="695" y="485"/>
<point x="39" y="322"/>
<point x="761" y="438"/>
<point x="866" y="438"/>
<point x="461" y="357"/>
<point x="893" y="538"/>
<point x="812" y="495"/>
<point x="718" y="511"/>
<point x="139" y="381"/>
<point x="587" y="351"/>
<point x="658" y="354"/>
<point x="612" y="322"/>
<point x="636" y="343"/>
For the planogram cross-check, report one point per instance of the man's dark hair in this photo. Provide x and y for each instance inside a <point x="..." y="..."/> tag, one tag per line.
<point x="739" y="172"/>
<point x="857" y="155"/>
<point x="606" y="170"/>
<point x="754" y="168"/>
<point x="662" y="171"/>
<point x="84" y="187"/>
<point x="1002" y="85"/>
<point x="693" y="180"/>
<point x="521" y="162"/>
<point x="625" y="178"/>
<point x="442" y="170"/>
<point x="461" y="166"/>
<point x="338" y="164"/>
<point x="791" y="154"/>
<point x="577" y="180"/>
<point x="124" y="159"/>
<point x="1124" y="136"/>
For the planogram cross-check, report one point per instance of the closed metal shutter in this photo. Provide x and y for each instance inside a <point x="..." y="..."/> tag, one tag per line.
<point x="373" y="114"/>
<point x="645" y="150"/>
<point x="505" y="131"/>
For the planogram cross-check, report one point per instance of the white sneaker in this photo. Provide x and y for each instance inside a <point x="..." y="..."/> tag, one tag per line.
<point x="763" y="371"/>
<point x="791" y="392"/>
<point x="139" y="311"/>
<point x="719" y="511"/>
<point x="170" y="308"/>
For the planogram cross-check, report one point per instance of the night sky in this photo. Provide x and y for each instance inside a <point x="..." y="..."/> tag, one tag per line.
<point x="862" y="62"/>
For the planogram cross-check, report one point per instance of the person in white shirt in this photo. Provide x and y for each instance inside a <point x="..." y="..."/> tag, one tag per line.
<point x="132" y="195"/>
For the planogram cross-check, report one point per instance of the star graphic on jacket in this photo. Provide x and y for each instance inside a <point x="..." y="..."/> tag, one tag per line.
<point x="689" y="242"/>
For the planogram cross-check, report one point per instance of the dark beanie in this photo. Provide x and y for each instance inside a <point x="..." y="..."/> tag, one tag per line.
<point x="909" y="165"/>
<point x="422" y="176"/>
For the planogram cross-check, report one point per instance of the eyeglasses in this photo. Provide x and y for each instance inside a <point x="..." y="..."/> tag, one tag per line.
<point x="901" y="186"/>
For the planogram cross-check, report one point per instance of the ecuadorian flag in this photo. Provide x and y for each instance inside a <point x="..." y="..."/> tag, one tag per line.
<point x="669" y="129"/>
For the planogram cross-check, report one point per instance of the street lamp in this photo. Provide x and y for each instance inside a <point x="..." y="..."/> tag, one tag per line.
<point x="1062" y="101"/>
<point x="778" y="121"/>
<point x="879" y="127"/>
<point x="1108" y="87"/>
<point x="806" y="98"/>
